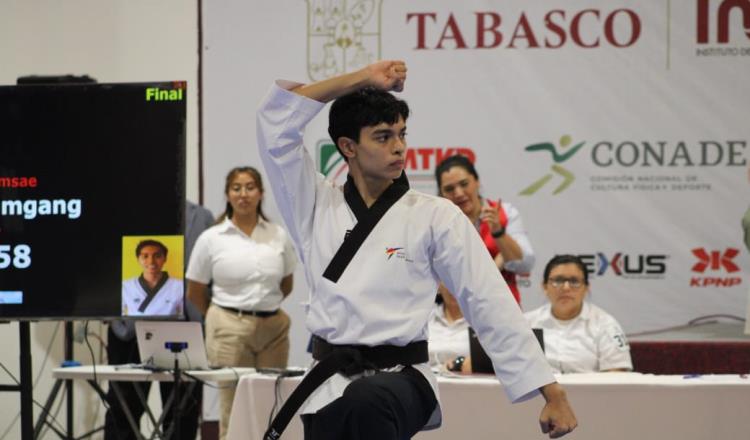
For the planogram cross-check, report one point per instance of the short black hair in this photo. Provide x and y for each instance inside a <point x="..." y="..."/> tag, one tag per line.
<point x="457" y="160"/>
<point x="150" y="242"/>
<point x="365" y="107"/>
<point x="566" y="259"/>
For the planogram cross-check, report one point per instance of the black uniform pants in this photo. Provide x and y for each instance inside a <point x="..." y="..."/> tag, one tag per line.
<point x="386" y="406"/>
<point x="116" y="426"/>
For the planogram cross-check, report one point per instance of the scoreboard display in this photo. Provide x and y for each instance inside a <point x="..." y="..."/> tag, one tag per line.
<point x="83" y="167"/>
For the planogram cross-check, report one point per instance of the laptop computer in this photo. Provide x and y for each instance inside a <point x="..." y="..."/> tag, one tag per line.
<point x="480" y="362"/>
<point x="157" y="339"/>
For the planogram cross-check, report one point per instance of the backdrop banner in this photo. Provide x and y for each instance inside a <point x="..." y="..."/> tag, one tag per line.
<point x="619" y="128"/>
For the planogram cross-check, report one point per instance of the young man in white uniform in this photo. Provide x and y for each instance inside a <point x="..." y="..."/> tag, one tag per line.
<point x="374" y="252"/>
<point x="153" y="292"/>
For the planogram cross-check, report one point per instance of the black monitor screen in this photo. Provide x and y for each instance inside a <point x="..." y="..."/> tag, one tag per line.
<point x="92" y="191"/>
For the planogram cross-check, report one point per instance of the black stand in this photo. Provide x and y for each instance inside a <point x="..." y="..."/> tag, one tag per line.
<point x="176" y="348"/>
<point x="28" y="431"/>
<point x="27" y="399"/>
<point x="52" y="396"/>
<point x="25" y="386"/>
<point x="69" y="383"/>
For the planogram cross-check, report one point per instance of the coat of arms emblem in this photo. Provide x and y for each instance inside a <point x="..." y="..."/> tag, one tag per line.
<point x="342" y="35"/>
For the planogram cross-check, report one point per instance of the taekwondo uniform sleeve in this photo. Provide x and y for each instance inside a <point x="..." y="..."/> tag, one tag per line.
<point x="289" y="166"/>
<point x="461" y="261"/>
<point x="456" y="255"/>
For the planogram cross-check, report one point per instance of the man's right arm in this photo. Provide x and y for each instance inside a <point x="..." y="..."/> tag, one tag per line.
<point x="281" y="120"/>
<point x="384" y="75"/>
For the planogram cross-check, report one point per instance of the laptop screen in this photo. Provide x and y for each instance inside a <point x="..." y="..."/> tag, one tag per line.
<point x="480" y="362"/>
<point x="161" y="342"/>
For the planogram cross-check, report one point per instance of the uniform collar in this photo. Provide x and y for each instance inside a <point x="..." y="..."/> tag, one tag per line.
<point x="585" y="314"/>
<point x="227" y="225"/>
<point x="390" y="196"/>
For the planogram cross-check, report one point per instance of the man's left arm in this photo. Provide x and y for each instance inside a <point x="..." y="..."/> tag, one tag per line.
<point x="461" y="261"/>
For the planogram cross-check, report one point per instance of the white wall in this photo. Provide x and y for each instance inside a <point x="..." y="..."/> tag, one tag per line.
<point x="112" y="41"/>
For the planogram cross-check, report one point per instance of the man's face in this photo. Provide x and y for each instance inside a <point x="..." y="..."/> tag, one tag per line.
<point x="152" y="259"/>
<point x="381" y="150"/>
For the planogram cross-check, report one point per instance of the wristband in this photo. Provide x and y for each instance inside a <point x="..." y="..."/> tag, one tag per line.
<point x="499" y="233"/>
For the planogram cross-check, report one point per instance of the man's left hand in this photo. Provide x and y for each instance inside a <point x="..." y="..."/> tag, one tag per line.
<point x="557" y="418"/>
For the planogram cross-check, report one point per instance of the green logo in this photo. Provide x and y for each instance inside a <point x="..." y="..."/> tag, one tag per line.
<point x="330" y="163"/>
<point x="558" y="158"/>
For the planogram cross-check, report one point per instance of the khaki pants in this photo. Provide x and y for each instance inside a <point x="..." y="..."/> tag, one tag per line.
<point x="244" y="341"/>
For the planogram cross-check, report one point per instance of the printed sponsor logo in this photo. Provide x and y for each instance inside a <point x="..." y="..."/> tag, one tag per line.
<point x="398" y="252"/>
<point x="553" y="29"/>
<point x="715" y="261"/>
<point x="644" y="165"/>
<point x="636" y="266"/>
<point x="342" y="36"/>
<point x="563" y="155"/>
<point x="715" y="33"/>
<point x="391" y="251"/>
<point x="419" y="162"/>
<point x="330" y="163"/>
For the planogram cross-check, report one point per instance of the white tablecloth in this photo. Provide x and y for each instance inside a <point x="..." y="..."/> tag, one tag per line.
<point x="612" y="406"/>
<point x="129" y="374"/>
<point x="124" y="373"/>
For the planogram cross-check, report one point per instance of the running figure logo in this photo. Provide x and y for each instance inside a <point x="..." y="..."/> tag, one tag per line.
<point x="567" y="176"/>
<point x="342" y="35"/>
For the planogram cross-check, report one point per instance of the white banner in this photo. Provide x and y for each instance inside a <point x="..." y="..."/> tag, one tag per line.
<point x="619" y="128"/>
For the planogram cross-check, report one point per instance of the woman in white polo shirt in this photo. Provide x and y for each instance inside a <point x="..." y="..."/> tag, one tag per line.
<point x="250" y="262"/>
<point x="579" y="337"/>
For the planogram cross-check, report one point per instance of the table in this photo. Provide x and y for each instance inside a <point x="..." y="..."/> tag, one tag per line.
<point x="129" y="374"/>
<point x="613" y="406"/>
<point x="708" y="347"/>
<point x="119" y="373"/>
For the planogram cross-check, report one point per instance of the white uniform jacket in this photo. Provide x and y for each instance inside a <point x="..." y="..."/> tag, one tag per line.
<point x="592" y="341"/>
<point x="167" y="301"/>
<point x="387" y="292"/>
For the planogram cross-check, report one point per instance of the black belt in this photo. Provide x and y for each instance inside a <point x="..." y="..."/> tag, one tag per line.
<point x="239" y="312"/>
<point x="379" y="356"/>
<point x="347" y="360"/>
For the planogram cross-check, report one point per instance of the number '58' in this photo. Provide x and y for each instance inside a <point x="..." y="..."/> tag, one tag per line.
<point x="18" y="256"/>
